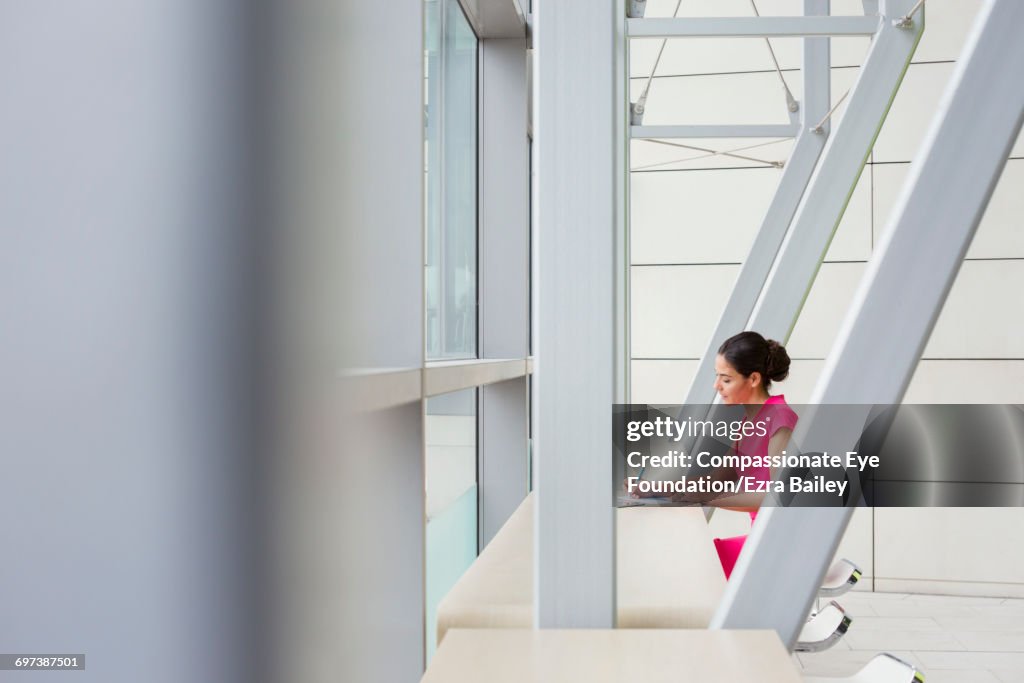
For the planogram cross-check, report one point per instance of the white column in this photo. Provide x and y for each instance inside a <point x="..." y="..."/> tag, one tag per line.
<point x="348" y="567"/>
<point x="575" y="217"/>
<point x="127" y="348"/>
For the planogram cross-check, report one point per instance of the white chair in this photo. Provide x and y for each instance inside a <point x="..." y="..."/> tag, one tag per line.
<point x="824" y="629"/>
<point x="841" y="577"/>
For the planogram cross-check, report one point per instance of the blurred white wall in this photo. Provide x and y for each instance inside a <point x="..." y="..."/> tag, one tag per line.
<point x="124" y="304"/>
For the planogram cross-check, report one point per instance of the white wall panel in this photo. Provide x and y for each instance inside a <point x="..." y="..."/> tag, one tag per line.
<point x="849" y="51"/>
<point x="982" y="315"/>
<point x="999" y="235"/>
<point x="695" y="217"/>
<point x="857" y="544"/>
<point x="644" y="153"/>
<point x="741" y="8"/>
<point x="721" y="99"/>
<point x="674" y="308"/>
<point x="661" y="381"/>
<point x="977" y="321"/>
<point x="803" y="375"/>
<point x="950" y="544"/>
<point x="886" y="185"/>
<point x="945" y="29"/>
<point x="852" y="241"/>
<point x="912" y="111"/>
<point x="666" y="381"/>
<point x="967" y="381"/>
<point x="824" y="310"/>
<point x="688" y="56"/>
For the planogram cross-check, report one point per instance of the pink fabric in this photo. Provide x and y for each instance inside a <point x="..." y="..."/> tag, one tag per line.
<point x="729" y="551"/>
<point x="778" y="415"/>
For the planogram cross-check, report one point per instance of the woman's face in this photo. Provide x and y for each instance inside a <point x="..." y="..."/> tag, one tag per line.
<point x="734" y="388"/>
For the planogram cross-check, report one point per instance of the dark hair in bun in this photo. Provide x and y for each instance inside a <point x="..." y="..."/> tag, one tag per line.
<point x="749" y="352"/>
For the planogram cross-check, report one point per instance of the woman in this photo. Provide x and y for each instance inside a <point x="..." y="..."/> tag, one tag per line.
<point x="745" y="368"/>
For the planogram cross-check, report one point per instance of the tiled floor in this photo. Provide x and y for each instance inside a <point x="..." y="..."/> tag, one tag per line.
<point x="951" y="639"/>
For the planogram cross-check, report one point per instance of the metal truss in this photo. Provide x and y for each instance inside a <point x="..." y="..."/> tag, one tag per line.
<point x="792" y="241"/>
<point x="908" y="279"/>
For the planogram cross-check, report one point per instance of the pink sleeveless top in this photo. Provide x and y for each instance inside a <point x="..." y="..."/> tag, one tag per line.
<point x="777" y="415"/>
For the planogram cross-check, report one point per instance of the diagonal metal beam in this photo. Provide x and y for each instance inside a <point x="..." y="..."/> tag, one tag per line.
<point x="842" y="161"/>
<point x="799" y="170"/>
<point x="906" y="284"/>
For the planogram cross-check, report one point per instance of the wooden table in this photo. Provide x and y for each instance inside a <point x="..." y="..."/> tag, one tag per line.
<point x="610" y="656"/>
<point x="668" y="572"/>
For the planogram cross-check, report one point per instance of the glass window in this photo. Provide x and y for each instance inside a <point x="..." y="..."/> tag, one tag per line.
<point x="452" y="532"/>
<point x="451" y="182"/>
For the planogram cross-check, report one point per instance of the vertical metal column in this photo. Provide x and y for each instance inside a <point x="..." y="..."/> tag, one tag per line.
<point x="908" y="279"/>
<point x="622" y="151"/>
<point x="574" y="128"/>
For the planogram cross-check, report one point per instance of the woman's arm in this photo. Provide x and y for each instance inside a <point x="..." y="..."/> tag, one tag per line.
<point x="750" y="502"/>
